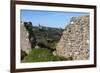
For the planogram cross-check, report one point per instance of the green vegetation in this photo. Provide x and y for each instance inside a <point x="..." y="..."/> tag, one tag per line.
<point x="23" y="54"/>
<point x="44" y="37"/>
<point x="47" y="37"/>
<point x="42" y="55"/>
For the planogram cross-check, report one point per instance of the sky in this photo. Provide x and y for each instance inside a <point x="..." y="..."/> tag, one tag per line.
<point x="49" y="18"/>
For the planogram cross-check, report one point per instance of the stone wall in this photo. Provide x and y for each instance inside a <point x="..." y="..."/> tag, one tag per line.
<point x="75" y="39"/>
<point x="25" y="44"/>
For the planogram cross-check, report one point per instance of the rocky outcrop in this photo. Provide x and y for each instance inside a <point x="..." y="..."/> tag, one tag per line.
<point x="74" y="41"/>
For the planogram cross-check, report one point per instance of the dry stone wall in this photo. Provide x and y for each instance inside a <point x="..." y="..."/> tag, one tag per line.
<point x="25" y="44"/>
<point x="75" y="39"/>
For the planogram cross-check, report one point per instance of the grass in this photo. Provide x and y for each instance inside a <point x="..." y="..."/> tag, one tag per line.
<point x="42" y="55"/>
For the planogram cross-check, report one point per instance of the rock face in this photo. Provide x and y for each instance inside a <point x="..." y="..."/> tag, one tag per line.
<point x="74" y="41"/>
<point x="27" y="39"/>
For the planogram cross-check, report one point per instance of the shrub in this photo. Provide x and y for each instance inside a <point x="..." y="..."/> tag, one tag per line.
<point x="23" y="54"/>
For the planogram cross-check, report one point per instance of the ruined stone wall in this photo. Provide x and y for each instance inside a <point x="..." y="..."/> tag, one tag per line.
<point x="75" y="39"/>
<point x="25" y="44"/>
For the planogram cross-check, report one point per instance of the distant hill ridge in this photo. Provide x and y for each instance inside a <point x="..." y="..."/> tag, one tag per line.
<point x="41" y="36"/>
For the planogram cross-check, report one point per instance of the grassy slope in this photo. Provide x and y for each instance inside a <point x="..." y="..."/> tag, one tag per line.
<point x="42" y="55"/>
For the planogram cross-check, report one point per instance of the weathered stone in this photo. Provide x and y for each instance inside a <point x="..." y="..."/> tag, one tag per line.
<point x="25" y="44"/>
<point x="75" y="39"/>
<point x="27" y="38"/>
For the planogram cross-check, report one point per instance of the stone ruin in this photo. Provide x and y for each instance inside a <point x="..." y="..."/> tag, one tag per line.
<point x="24" y="41"/>
<point x="27" y="39"/>
<point x="74" y="41"/>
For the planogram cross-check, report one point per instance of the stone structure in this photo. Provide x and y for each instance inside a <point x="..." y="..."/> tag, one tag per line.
<point x="25" y="44"/>
<point x="75" y="39"/>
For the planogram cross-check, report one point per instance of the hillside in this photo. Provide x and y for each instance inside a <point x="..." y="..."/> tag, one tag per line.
<point x="36" y="37"/>
<point x="47" y="37"/>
